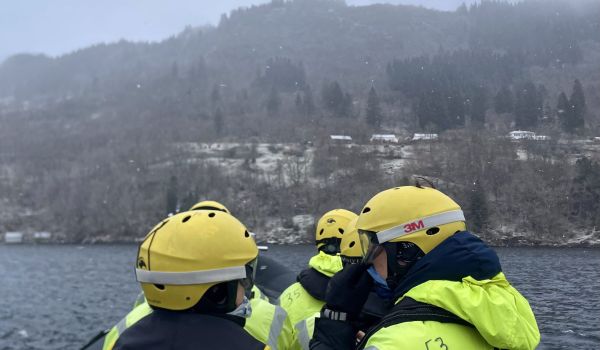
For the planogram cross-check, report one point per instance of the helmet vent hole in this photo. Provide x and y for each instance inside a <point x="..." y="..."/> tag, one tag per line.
<point x="366" y="210"/>
<point x="246" y="234"/>
<point x="160" y="286"/>
<point x="187" y="298"/>
<point x="211" y="215"/>
<point x="321" y="232"/>
<point x="185" y="219"/>
<point x="352" y="244"/>
<point x="341" y="231"/>
<point x="432" y="231"/>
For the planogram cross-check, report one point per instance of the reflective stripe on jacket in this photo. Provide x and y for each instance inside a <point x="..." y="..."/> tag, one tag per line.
<point x="139" y="312"/>
<point x="303" y="300"/>
<point x="263" y="316"/>
<point x="269" y="324"/>
<point x="163" y="329"/>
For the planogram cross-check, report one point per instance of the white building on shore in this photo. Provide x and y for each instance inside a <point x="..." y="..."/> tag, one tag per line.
<point x="518" y="135"/>
<point x="340" y="138"/>
<point x="13" y="237"/>
<point x="425" y="137"/>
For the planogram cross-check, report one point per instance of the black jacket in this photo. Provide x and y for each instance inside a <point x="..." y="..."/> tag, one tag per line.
<point x="168" y="330"/>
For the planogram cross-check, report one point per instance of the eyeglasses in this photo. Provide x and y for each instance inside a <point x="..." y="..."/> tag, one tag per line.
<point x="369" y="245"/>
<point x="248" y="281"/>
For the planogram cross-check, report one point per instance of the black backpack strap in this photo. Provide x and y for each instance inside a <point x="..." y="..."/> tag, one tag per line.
<point x="409" y="310"/>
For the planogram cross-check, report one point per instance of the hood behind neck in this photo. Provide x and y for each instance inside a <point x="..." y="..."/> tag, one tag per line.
<point x="461" y="255"/>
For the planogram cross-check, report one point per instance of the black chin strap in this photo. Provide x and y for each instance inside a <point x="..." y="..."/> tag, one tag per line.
<point x="401" y="256"/>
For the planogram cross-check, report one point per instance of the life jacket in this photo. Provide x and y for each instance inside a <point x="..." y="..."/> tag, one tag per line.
<point x="456" y="297"/>
<point x="304" y="299"/>
<point x="164" y="329"/>
<point x="409" y="310"/>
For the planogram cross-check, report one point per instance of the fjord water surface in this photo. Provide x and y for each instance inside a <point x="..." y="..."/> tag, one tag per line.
<point x="57" y="297"/>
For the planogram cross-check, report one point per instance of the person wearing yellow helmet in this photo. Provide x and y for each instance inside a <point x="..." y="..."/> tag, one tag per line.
<point x="214" y="205"/>
<point x="303" y="299"/>
<point x="267" y="323"/>
<point x="447" y="285"/>
<point x="202" y="205"/>
<point x="351" y="253"/>
<point x="330" y="230"/>
<point x="195" y="269"/>
<point x="350" y="250"/>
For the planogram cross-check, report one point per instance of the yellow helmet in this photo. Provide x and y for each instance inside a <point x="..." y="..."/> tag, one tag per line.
<point x="210" y="205"/>
<point x="188" y="254"/>
<point x="331" y="228"/>
<point x="407" y="222"/>
<point x="350" y="250"/>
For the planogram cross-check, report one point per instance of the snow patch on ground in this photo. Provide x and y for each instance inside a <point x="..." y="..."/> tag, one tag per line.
<point x="586" y="238"/>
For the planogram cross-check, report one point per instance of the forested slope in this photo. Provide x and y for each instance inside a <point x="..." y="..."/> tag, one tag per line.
<point x="90" y="143"/>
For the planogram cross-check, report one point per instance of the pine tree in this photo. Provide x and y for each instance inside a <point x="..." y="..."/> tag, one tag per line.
<point x="299" y="103"/>
<point x="224" y="20"/>
<point x="455" y="105"/>
<point x="541" y="95"/>
<point x="175" y="71"/>
<point x="479" y="217"/>
<point x="345" y="109"/>
<point x="309" y="102"/>
<point x="504" y="101"/>
<point x="273" y="102"/>
<point x="528" y="108"/>
<point x="585" y="194"/>
<point x="578" y="106"/>
<point x="478" y="107"/>
<point x="218" y="120"/>
<point x="215" y="96"/>
<point x="374" y="116"/>
<point x="283" y="74"/>
<point x="171" y="197"/>
<point x="563" y="110"/>
<point x="431" y="112"/>
<point x="333" y="98"/>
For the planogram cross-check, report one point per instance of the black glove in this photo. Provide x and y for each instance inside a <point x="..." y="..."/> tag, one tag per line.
<point x="347" y="291"/>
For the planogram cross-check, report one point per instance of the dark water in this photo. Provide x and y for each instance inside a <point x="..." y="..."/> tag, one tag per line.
<point x="57" y="297"/>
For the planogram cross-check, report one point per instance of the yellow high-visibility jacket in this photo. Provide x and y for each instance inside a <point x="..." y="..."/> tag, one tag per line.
<point x="303" y="300"/>
<point x="501" y="316"/>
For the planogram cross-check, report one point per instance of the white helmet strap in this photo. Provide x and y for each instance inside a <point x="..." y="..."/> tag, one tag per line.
<point x="420" y="224"/>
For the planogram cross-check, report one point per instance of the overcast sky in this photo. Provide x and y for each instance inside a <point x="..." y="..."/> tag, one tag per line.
<point x="55" y="27"/>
